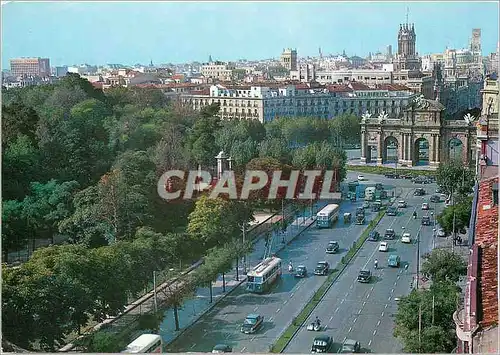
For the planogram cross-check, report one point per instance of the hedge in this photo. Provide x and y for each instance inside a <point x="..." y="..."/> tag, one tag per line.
<point x="309" y="307"/>
<point x="384" y="170"/>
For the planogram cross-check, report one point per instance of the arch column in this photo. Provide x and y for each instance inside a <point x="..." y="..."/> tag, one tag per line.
<point x="363" y="146"/>
<point x="401" y="148"/>
<point x="438" y="150"/>
<point x="379" y="148"/>
<point x="466" y="150"/>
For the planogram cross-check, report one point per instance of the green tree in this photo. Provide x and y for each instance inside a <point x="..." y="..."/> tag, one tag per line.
<point x="443" y="265"/>
<point x="460" y="213"/>
<point x="14" y="227"/>
<point x="244" y="151"/>
<point x="454" y="177"/>
<point x="345" y="129"/>
<point x="275" y="148"/>
<point x="104" y="342"/>
<point x="201" y="138"/>
<point x="18" y="119"/>
<point x="305" y="157"/>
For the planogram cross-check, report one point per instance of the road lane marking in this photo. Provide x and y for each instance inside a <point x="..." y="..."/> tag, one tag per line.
<point x="370" y="342"/>
<point x="385" y="305"/>
<point x="378" y="323"/>
<point x="344" y="339"/>
<point x="192" y="346"/>
<point x="350" y="287"/>
<point x="256" y="308"/>
<point x="331" y="317"/>
<point x="224" y="316"/>
<point x="395" y="283"/>
<point x="371" y="289"/>
<point x="375" y="332"/>
<point x="336" y="310"/>
<point x="243" y="349"/>
<point x="278" y="310"/>
<point x="359" y="312"/>
<point x="252" y="339"/>
<point x="355" y="319"/>
<point x="285" y="302"/>
<point x="350" y="328"/>
<point x="368" y="296"/>
<point x="399" y="276"/>
<point x="364" y="302"/>
<point x="342" y="301"/>
<point x="392" y="290"/>
<point x="382" y="314"/>
<point x="389" y="299"/>
<point x="291" y="295"/>
<point x="347" y="294"/>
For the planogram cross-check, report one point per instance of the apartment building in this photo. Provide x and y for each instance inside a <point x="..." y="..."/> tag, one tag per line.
<point x="476" y="318"/>
<point x="30" y="66"/>
<point x="268" y="102"/>
<point x="218" y="70"/>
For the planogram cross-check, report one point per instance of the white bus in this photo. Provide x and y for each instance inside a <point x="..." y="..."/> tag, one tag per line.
<point x="261" y="277"/>
<point x="146" y="343"/>
<point x="370" y="193"/>
<point x="328" y="215"/>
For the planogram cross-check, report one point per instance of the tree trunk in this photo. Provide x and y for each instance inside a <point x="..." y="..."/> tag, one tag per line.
<point x="5" y="255"/>
<point x="176" y="318"/>
<point x="211" y="294"/>
<point x="237" y="272"/>
<point x="223" y="282"/>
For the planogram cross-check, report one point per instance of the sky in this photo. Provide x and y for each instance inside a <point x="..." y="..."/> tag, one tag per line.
<point x="175" y="32"/>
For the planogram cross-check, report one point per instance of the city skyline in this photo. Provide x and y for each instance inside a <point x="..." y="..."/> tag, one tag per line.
<point x="183" y="32"/>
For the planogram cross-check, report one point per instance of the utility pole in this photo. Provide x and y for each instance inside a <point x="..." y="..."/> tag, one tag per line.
<point x="245" y="254"/>
<point x="433" y="304"/>
<point x="418" y="257"/>
<point x="420" y="326"/>
<point x="154" y="291"/>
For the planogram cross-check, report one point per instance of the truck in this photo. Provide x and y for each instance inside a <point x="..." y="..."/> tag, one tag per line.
<point x="370" y="194"/>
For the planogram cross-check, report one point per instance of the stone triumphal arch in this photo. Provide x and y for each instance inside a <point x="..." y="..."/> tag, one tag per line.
<point x="420" y="136"/>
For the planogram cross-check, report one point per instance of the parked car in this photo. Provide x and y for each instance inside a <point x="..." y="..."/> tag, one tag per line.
<point x="350" y="346"/>
<point x="391" y="175"/>
<point x="322" y="268"/>
<point x="374" y="236"/>
<point x="361" y="178"/>
<point x="222" y="348"/>
<point x="384" y="246"/>
<point x="421" y="180"/>
<point x="301" y="271"/>
<point x="389" y="234"/>
<point x="402" y="204"/>
<point x="441" y="232"/>
<point x="322" y="344"/>
<point x="406" y="238"/>
<point x="332" y="247"/>
<point x="435" y="199"/>
<point x="426" y="221"/>
<point x="252" y="323"/>
<point x="364" y="276"/>
<point x="394" y="260"/>
<point x="392" y="211"/>
<point x="425" y="206"/>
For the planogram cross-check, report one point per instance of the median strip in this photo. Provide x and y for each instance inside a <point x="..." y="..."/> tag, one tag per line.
<point x="285" y="338"/>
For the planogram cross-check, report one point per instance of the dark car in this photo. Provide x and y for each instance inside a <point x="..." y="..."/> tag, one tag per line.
<point x="322" y="268"/>
<point x="350" y="346"/>
<point x="301" y="271"/>
<point x="332" y="247"/>
<point x="322" y="344"/>
<point x="426" y="221"/>
<point x="379" y="186"/>
<point x="394" y="260"/>
<point x="391" y="175"/>
<point x="435" y="198"/>
<point x="252" y="323"/>
<point x="389" y="234"/>
<point x="364" y="276"/>
<point x="421" y="180"/>
<point x="392" y="211"/>
<point x="376" y="206"/>
<point x="373" y="236"/>
<point x="419" y="192"/>
<point x="222" y="348"/>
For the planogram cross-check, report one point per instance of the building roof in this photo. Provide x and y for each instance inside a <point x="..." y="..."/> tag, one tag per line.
<point x="393" y="87"/>
<point x="339" y="88"/>
<point x="144" y="79"/>
<point x="359" y="86"/>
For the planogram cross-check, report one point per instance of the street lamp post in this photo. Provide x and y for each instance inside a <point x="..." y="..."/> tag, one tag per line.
<point x="418" y="258"/>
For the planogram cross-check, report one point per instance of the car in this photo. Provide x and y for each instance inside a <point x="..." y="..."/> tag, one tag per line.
<point x="447" y="202"/>
<point x="379" y="186"/>
<point x="406" y="238"/>
<point x="439" y="190"/>
<point x="435" y="199"/>
<point x="419" y="192"/>
<point x="440" y="232"/>
<point x="383" y="194"/>
<point x="332" y="247"/>
<point x="373" y="236"/>
<point x="350" y="346"/>
<point x="322" y="268"/>
<point x="394" y="260"/>
<point x="426" y="221"/>
<point x="376" y="206"/>
<point x="252" y="323"/>
<point x="391" y="175"/>
<point x="389" y="234"/>
<point x="366" y="204"/>
<point x="322" y="344"/>
<point x="421" y="180"/>
<point x="364" y="276"/>
<point x="301" y="271"/>
<point x="392" y="211"/>
<point x="384" y="246"/>
<point x="222" y="348"/>
<point x="402" y="204"/>
<point x="361" y="178"/>
<point x="425" y="206"/>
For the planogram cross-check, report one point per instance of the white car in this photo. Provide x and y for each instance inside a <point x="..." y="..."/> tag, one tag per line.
<point x="406" y="238"/>
<point x="441" y="233"/>
<point x="384" y="246"/>
<point x="361" y="177"/>
<point x="425" y="206"/>
<point x="402" y="204"/>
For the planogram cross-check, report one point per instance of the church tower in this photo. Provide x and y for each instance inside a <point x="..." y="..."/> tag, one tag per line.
<point x="406" y="40"/>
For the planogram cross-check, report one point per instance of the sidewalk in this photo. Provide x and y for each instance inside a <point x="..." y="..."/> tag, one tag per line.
<point x="200" y="304"/>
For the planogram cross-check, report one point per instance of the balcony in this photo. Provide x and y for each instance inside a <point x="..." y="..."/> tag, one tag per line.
<point x="459" y="319"/>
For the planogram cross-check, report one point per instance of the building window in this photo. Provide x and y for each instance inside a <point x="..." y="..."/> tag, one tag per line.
<point x="495" y="194"/>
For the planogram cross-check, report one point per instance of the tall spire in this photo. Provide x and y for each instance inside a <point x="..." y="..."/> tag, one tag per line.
<point x="407" y="11"/>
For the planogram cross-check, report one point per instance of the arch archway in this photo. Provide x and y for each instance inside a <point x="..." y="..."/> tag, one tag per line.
<point x="455" y="149"/>
<point x="391" y="150"/>
<point x="421" y="152"/>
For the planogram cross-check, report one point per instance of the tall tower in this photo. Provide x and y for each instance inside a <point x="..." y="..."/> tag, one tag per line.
<point x="288" y="59"/>
<point x="406" y="40"/>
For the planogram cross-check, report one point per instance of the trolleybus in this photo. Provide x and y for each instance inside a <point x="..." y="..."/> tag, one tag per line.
<point x="146" y="343"/>
<point x="261" y="277"/>
<point x="327" y="216"/>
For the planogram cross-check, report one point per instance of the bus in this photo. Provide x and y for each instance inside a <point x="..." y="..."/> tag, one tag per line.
<point x="261" y="277"/>
<point x="370" y="193"/>
<point x="146" y="343"/>
<point x="328" y="215"/>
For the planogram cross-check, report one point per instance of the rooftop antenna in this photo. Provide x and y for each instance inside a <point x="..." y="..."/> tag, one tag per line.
<point x="407" y="11"/>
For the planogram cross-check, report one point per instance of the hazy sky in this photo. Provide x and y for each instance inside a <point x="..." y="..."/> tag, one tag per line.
<point x="135" y="32"/>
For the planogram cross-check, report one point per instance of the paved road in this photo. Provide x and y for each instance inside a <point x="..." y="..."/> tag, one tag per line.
<point x="364" y="312"/>
<point x="280" y="305"/>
